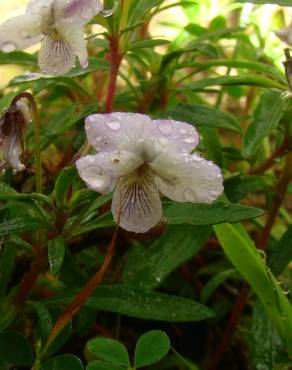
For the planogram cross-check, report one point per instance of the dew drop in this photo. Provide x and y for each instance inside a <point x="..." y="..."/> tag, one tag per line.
<point x="91" y="118"/>
<point x="163" y="141"/>
<point x="189" y="140"/>
<point x="108" y="12"/>
<point x="113" y="125"/>
<point x="165" y="129"/>
<point x="8" y="47"/>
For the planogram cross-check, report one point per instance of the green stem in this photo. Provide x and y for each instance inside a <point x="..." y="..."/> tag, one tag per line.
<point x="37" y="142"/>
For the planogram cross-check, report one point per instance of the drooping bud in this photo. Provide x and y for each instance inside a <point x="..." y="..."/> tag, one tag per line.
<point x="13" y="123"/>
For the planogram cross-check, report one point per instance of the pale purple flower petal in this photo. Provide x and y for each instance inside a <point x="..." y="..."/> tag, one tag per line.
<point x="56" y="56"/>
<point x="187" y="178"/>
<point x="81" y="11"/>
<point x="61" y="23"/>
<point x="175" y="136"/>
<point x="75" y="39"/>
<point x="142" y="157"/>
<point x="116" y="130"/>
<point x="101" y="171"/>
<point x="12" y="150"/>
<point x="42" y="7"/>
<point x="20" y="32"/>
<point x="95" y="177"/>
<point x="136" y="204"/>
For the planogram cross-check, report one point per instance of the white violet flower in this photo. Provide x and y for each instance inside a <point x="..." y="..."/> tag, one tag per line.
<point x="59" y="25"/>
<point x="141" y="158"/>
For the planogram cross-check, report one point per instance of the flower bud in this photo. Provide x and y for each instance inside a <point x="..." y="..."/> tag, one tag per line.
<point x="13" y="123"/>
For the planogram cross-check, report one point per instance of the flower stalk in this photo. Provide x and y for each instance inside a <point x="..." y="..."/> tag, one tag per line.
<point x="74" y="307"/>
<point x="115" y="57"/>
<point x="37" y="142"/>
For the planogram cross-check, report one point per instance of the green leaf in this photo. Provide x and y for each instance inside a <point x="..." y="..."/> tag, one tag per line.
<point x="208" y="214"/>
<point x="45" y="320"/>
<point x="100" y="365"/>
<point x="142" y="303"/>
<point x="109" y="350"/>
<point x="15" y="349"/>
<point x="63" y="362"/>
<point x="140" y="8"/>
<point x="63" y="185"/>
<point x="266" y="117"/>
<point x="147" y="43"/>
<point x="151" y="348"/>
<point x="214" y="283"/>
<point x="20" y="224"/>
<point x="8" y="193"/>
<point x="203" y="115"/>
<point x="242" y="80"/>
<point x="56" y="254"/>
<point x="260" y="67"/>
<point x="65" y="120"/>
<point x="279" y="2"/>
<point x="281" y="253"/>
<point x="236" y="187"/>
<point x="241" y="251"/>
<point x="18" y="57"/>
<point x="7" y="263"/>
<point x="266" y="345"/>
<point x="146" y="304"/>
<point x="61" y="339"/>
<point x="148" y="268"/>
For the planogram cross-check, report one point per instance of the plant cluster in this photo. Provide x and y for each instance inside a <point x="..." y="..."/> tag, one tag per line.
<point x="145" y="192"/>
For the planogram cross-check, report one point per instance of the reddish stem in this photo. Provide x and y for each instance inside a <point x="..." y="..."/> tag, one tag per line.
<point x="231" y="325"/>
<point x="30" y="277"/>
<point x="74" y="307"/>
<point x="115" y="58"/>
<point x="279" y="152"/>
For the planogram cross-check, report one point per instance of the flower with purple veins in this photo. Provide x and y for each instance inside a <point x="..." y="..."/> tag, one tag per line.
<point x="140" y="158"/>
<point x="59" y="25"/>
<point x="13" y="123"/>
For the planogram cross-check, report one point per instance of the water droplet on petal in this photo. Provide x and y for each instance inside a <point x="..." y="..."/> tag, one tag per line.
<point x="214" y="193"/>
<point x="189" y="140"/>
<point x="165" y="128"/>
<point x="113" y="125"/>
<point x="8" y="47"/>
<point x="91" y="118"/>
<point x="163" y="141"/>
